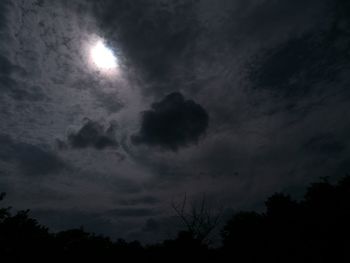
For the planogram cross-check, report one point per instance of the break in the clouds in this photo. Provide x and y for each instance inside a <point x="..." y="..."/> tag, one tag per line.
<point x="172" y="122"/>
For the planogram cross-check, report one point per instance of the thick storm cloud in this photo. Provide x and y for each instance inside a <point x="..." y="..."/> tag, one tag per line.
<point x="172" y="123"/>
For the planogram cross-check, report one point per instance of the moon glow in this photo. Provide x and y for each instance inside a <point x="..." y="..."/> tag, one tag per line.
<point x="103" y="57"/>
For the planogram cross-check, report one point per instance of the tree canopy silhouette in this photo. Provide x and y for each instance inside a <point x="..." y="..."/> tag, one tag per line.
<point x="313" y="229"/>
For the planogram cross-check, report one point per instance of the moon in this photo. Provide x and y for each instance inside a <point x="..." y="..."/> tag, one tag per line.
<point x="103" y="57"/>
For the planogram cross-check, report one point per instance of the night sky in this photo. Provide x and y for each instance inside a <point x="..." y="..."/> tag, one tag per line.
<point x="228" y="99"/>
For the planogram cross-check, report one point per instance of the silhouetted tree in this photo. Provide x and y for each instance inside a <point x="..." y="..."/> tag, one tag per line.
<point x="200" y="220"/>
<point x="314" y="229"/>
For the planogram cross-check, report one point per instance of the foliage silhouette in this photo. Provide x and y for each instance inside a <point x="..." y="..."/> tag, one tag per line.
<point x="314" y="229"/>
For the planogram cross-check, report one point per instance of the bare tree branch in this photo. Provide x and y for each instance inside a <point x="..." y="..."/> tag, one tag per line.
<point x="200" y="221"/>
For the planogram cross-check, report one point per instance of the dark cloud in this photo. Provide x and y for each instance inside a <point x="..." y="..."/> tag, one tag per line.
<point x="7" y="83"/>
<point x="31" y="159"/>
<point x="151" y="225"/>
<point x="11" y="86"/>
<point x="127" y="186"/>
<point x="296" y="66"/>
<point x="172" y="123"/>
<point x="327" y="144"/>
<point x="144" y="200"/>
<point x="109" y="102"/>
<point x="93" y="134"/>
<point x="293" y="68"/>
<point x="343" y="168"/>
<point x="156" y="38"/>
<point x="132" y="212"/>
<point x="3" y="13"/>
<point x="39" y="3"/>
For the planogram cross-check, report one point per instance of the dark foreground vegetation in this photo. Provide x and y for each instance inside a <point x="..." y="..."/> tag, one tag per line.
<point x="315" y="229"/>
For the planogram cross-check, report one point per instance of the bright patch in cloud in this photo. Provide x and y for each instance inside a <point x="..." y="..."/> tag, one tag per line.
<point x="103" y="57"/>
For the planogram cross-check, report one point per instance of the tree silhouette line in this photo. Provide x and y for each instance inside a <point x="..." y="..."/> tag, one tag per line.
<point x="314" y="229"/>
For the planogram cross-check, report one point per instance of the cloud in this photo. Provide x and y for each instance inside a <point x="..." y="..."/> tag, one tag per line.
<point x="172" y="123"/>
<point x="31" y="159"/>
<point x="10" y="85"/>
<point x="294" y="67"/>
<point x="151" y="225"/>
<point x="132" y="212"/>
<point x="143" y="200"/>
<point x="93" y="134"/>
<point x="155" y="38"/>
<point x="327" y="144"/>
<point x="3" y="13"/>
